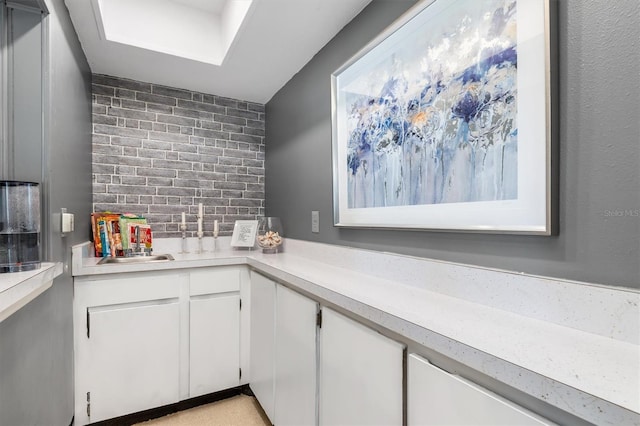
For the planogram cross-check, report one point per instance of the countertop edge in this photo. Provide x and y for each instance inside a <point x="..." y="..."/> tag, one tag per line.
<point x="26" y="287"/>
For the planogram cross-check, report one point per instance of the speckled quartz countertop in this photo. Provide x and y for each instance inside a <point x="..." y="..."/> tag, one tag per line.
<point x="573" y="345"/>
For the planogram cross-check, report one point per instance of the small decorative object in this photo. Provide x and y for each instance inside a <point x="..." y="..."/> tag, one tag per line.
<point x="269" y="234"/>
<point x="183" y="228"/>
<point x="244" y="233"/>
<point x="216" y="231"/>
<point x="443" y="121"/>
<point x="200" y="232"/>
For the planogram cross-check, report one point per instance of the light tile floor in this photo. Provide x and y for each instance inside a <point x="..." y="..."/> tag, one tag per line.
<point x="241" y="410"/>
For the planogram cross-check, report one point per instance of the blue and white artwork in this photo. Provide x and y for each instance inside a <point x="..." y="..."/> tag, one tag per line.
<point x="434" y="120"/>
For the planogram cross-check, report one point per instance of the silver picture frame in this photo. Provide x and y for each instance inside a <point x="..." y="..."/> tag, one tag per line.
<point x="484" y="163"/>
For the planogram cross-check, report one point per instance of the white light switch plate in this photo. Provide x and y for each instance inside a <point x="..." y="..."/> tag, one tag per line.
<point x="315" y="221"/>
<point x="67" y="223"/>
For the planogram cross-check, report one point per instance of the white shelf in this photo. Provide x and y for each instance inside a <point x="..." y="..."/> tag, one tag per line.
<point x="19" y="288"/>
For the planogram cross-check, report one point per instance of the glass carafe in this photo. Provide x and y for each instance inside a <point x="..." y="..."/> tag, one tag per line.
<point x="19" y="226"/>
<point x="269" y="236"/>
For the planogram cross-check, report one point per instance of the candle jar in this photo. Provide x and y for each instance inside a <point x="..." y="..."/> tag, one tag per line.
<point x="269" y="235"/>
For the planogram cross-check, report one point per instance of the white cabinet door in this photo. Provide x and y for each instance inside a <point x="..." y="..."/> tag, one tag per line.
<point x="133" y="358"/>
<point x="436" y="397"/>
<point x="295" y="367"/>
<point x="360" y="374"/>
<point x="214" y="343"/>
<point x="263" y="312"/>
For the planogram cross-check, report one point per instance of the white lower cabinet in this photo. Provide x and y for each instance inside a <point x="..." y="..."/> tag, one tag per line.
<point x="133" y="354"/>
<point x="214" y="331"/>
<point x="283" y="352"/>
<point x="360" y="374"/>
<point x="127" y="345"/>
<point x="144" y="340"/>
<point x="295" y="359"/>
<point x="262" y="342"/>
<point x="436" y="397"/>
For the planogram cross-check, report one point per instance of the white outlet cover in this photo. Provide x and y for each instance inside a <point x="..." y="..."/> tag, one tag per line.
<point x="315" y="221"/>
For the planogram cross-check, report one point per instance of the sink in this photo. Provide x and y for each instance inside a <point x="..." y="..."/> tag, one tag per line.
<point x="136" y="259"/>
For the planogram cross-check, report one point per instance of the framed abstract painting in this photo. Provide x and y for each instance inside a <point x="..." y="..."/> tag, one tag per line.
<point x="443" y="122"/>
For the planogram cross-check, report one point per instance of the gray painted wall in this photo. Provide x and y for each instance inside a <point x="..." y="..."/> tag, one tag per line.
<point x="599" y="153"/>
<point x="25" y="70"/>
<point x="36" y="343"/>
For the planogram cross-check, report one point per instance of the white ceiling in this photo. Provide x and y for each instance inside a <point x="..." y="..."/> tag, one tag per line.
<point x="273" y="42"/>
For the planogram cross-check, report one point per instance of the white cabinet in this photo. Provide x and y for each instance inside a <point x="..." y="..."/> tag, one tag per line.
<point x="360" y="374"/>
<point x="283" y="352"/>
<point x="295" y="359"/>
<point x="133" y="352"/>
<point x="148" y="339"/>
<point x="436" y="397"/>
<point x="262" y="353"/>
<point x="214" y="330"/>
<point x="127" y="339"/>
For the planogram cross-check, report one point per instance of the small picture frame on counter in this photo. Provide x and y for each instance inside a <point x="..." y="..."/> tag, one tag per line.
<point x="244" y="233"/>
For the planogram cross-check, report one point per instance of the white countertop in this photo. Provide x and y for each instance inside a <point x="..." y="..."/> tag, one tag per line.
<point x="593" y="372"/>
<point x="19" y="288"/>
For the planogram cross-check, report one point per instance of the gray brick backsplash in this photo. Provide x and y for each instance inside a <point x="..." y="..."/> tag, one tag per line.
<point x="256" y="107"/>
<point x="252" y="163"/>
<point x="253" y="131"/>
<point x="103" y="119"/>
<point x="230" y="185"/>
<point x="102" y="100"/>
<point x="258" y="124"/>
<point x="172" y="164"/>
<point x="172" y="119"/>
<point x="169" y="137"/>
<point x="125" y="93"/>
<point x="102" y="178"/>
<point x="189" y="156"/>
<point x="192" y="113"/>
<point x="246" y="138"/>
<point x="159" y="151"/>
<point x="131" y="104"/>
<point x="245" y="202"/>
<point x="97" y="89"/>
<point x="256" y="195"/>
<point x="210" y="150"/>
<point x="151" y="153"/>
<point x="166" y="109"/>
<point x="243" y="178"/>
<point x="131" y="113"/>
<point x="211" y="125"/>
<point x="170" y="91"/>
<point x="166" y="146"/>
<point x="230" y="161"/>
<point x="201" y="106"/>
<point x="156" y="99"/>
<point x="230" y="120"/>
<point x="250" y="115"/>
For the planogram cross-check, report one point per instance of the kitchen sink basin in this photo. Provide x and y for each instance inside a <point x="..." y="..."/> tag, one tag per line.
<point x="136" y="259"/>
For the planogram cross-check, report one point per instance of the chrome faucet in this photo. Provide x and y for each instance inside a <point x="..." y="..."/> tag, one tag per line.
<point x="138" y="250"/>
<point x="137" y="236"/>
